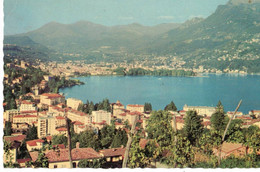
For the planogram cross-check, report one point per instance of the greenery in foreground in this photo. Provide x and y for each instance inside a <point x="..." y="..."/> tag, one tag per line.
<point x="161" y="72"/>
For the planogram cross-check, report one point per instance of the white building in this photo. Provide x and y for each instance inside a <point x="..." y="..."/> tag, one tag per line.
<point x="101" y="116"/>
<point x="27" y="106"/>
<point x="201" y="110"/>
<point x="46" y="126"/>
<point x="73" y="103"/>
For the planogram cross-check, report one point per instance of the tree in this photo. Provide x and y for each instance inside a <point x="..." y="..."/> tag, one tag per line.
<point x="90" y="139"/>
<point x="42" y="161"/>
<point x="23" y="152"/>
<point x="170" y="107"/>
<point x="107" y="134"/>
<point x="32" y="133"/>
<point x="8" y="128"/>
<point x="234" y="132"/>
<point x="120" y="139"/>
<point x="147" y="107"/>
<point x="181" y="153"/>
<point x="59" y="139"/>
<point x="192" y="126"/>
<point x="96" y="163"/>
<point x="9" y="156"/>
<point x="218" y="118"/>
<point x="137" y="157"/>
<point x="159" y="127"/>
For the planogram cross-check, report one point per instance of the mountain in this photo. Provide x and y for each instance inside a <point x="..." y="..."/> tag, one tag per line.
<point x="86" y="36"/>
<point x="229" y="38"/>
<point x="231" y="31"/>
<point x="23" y="47"/>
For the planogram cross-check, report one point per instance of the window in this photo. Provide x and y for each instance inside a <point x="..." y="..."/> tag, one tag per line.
<point x="55" y="166"/>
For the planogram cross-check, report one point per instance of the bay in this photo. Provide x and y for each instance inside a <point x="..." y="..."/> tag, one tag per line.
<point x="206" y="90"/>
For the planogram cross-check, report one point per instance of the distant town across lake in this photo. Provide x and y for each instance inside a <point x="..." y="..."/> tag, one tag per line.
<point x="206" y="90"/>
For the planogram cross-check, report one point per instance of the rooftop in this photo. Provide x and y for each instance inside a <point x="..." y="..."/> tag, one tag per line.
<point x="112" y="152"/>
<point x="63" y="155"/>
<point x="34" y="142"/>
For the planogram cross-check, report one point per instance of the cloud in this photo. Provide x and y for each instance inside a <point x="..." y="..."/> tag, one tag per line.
<point x="125" y="18"/>
<point x="166" y="17"/>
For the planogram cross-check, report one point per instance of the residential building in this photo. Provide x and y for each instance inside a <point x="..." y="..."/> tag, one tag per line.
<point x="255" y="112"/>
<point x="36" y="144"/>
<point x="27" y="106"/>
<point x="73" y="103"/>
<point x="61" y="131"/>
<point x="51" y="99"/>
<point x="15" y="142"/>
<point x="60" y="121"/>
<point x="61" y="159"/>
<point x="79" y="127"/>
<point x="46" y="126"/>
<point x="138" y="108"/>
<point x="28" y="119"/>
<point x="75" y="115"/>
<point x="237" y="149"/>
<point x="113" y="155"/>
<point x="201" y="110"/>
<point x="101" y="116"/>
<point x="9" y="114"/>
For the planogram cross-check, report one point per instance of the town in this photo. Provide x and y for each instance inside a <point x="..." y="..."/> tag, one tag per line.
<point x="38" y="122"/>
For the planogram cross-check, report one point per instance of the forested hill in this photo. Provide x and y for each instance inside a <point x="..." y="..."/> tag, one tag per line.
<point x="229" y="38"/>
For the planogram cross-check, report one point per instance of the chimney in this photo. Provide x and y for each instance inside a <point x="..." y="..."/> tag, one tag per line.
<point x="77" y="145"/>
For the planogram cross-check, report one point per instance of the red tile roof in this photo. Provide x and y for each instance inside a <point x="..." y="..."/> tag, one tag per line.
<point x="230" y="147"/>
<point x="25" y="116"/>
<point x="122" y="114"/>
<point x="60" y="146"/>
<point x="26" y="102"/>
<point x="206" y="123"/>
<point x="61" y="129"/>
<point x="78" y="123"/>
<point x="32" y="111"/>
<point x="60" y="117"/>
<point x="255" y="111"/>
<point x="19" y="138"/>
<point x="78" y="112"/>
<point x="23" y="160"/>
<point x="112" y="152"/>
<point x="51" y="95"/>
<point x="63" y="155"/>
<point x="34" y="142"/>
<point x="135" y="113"/>
<point x="48" y="138"/>
<point x="143" y="142"/>
<point x="136" y="105"/>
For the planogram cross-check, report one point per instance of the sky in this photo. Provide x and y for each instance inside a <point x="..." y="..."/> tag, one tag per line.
<point x="22" y="16"/>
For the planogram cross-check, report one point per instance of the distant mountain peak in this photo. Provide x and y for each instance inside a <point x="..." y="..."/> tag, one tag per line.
<point x="237" y="2"/>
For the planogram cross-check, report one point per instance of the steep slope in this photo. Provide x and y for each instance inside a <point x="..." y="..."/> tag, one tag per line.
<point x="86" y="36"/>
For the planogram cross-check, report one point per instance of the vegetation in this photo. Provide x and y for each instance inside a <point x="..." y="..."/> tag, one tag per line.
<point x="192" y="127"/>
<point x="60" y="82"/>
<point x="59" y="139"/>
<point x="170" y="107"/>
<point x="32" y="133"/>
<point x="161" y="72"/>
<point x="8" y="128"/>
<point x="90" y="106"/>
<point x="96" y="163"/>
<point x="148" y="107"/>
<point x="163" y="134"/>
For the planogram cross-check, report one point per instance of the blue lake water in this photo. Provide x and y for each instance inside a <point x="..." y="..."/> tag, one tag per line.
<point x="159" y="91"/>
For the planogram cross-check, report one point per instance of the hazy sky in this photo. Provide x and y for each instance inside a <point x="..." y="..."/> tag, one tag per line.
<point x="25" y="15"/>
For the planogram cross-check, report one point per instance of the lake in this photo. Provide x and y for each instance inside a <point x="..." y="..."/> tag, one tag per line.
<point x="206" y="90"/>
